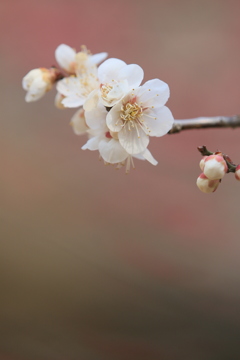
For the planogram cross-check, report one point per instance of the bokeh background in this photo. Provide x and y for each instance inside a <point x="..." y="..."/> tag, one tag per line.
<point x="94" y="264"/>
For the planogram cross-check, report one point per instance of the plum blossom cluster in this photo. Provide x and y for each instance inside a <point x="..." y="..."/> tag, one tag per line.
<point x="214" y="166"/>
<point x="115" y="110"/>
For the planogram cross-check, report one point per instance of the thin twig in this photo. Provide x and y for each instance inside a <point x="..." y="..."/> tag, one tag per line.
<point x="205" y="122"/>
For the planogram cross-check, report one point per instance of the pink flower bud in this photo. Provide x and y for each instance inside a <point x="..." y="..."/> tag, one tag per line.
<point x="215" y="167"/>
<point x="237" y="172"/>
<point x="206" y="185"/>
<point x="202" y="163"/>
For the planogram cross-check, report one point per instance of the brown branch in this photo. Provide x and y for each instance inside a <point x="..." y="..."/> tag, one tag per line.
<point x="205" y="123"/>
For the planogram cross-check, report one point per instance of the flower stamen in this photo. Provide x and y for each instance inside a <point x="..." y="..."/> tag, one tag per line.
<point x="131" y="115"/>
<point x="105" y="89"/>
<point x="131" y="112"/>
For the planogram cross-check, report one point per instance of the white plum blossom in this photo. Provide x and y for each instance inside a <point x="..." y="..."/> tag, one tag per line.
<point x="83" y="81"/>
<point x="75" y="90"/>
<point x="37" y="82"/>
<point x="140" y="114"/>
<point x="107" y="142"/>
<point x="116" y="79"/>
<point x="111" y="150"/>
<point x="77" y="63"/>
<point x="113" y="109"/>
<point x="101" y="138"/>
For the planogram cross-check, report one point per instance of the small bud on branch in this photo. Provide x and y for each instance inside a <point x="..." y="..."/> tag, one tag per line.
<point x="214" y="167"/>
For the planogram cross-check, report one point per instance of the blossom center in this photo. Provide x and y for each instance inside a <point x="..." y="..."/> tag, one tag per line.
<point x="105" y="89"/>
<point x="131" y="112"/>
<point x="81" y="57"/>
<point x="87" y="84"/>
<point x="81" y="60"/>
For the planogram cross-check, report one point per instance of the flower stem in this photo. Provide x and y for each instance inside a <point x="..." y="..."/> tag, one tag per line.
<point x="205" y="123"/>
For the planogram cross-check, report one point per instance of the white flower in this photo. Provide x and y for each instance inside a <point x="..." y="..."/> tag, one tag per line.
<point x="111" y="150"/>
<point x="76" y="89"/>
<point x="116" y="80"/>
<point x="101" y="138"/>
<point x="107" y="142"/>
<point x="37" y="82"/>
<point x="78" y="122"/>
<point x="140" y="114"/>
<point x="77" y="63"/>
<point x="215" y="167"/>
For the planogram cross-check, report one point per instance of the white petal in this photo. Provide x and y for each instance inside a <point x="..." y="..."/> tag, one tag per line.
<point x="134" y="141"/>
<point x="109" y="69"/>
<point x="30" y="77"/>
<point x="31" y="96"/>
<point x="69" y="85"/>
<point x="117" y="92"/>
<point x="96" y="118"/>
<point x="73" y="101"/>
<point x="65" y="55"/>
<point x="133" y="74"/>
<point x="36" y="89"/>
<point x="92" y="100"/>
<point x="159" y="121"/>
<point x="139" y="156"/>
<point x="25" y="84"/>
<point x="98" y="58"/>
<point x="148" y="156"/>
<point x="153" y="93"/>
<point x="38" y="85"/>
<point x="91" y="144"/>
<point x="78" y="122"/>
<point x="113" y="119"/>
<point x="73" y="91"/>
<point x="111" y="151"/>
<point x="58" y="101"/>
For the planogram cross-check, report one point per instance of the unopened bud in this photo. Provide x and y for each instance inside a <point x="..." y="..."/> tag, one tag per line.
<point x="38" y="81"/>
<point x="237" y="172"/>
<point x="202" y="163"/>
<point x="206" y="185"/>
<point x="215" y="167"/>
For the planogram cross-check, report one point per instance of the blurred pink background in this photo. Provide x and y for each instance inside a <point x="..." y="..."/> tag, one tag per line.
<point x="94" y="264"/>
